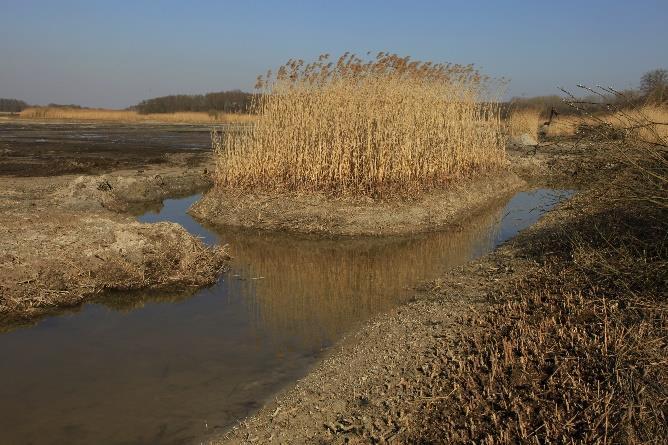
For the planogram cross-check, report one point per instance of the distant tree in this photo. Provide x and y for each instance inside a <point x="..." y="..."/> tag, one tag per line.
<point x="75" y="106"/>
<point x="654" y="85"/>
<point x="12" y="105"/>
<point x="235" y="101"/>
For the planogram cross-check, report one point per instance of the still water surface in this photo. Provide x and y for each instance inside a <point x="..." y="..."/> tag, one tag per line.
<point x="174" y="368"/>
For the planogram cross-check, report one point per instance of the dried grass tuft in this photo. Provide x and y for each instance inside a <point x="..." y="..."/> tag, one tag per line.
<point x="526" y="120"/>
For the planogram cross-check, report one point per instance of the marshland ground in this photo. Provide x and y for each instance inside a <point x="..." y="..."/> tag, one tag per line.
<point x="559" y="335"/>
<point x="68" y="194"/>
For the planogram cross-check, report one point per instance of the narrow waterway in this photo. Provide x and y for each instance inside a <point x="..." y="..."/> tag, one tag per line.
<point x="171" y="368"/>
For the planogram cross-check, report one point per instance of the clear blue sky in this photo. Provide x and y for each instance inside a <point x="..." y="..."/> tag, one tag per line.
<point x="115" y="53"/>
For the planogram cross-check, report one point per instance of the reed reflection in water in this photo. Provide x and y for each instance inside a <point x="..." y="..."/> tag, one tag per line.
<point x="315" y="290"/>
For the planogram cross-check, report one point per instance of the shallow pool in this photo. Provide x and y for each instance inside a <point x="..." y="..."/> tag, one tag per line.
<point x="172" y="368"/>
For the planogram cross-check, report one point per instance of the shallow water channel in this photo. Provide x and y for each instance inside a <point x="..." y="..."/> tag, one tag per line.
<point x="174" y="368"/>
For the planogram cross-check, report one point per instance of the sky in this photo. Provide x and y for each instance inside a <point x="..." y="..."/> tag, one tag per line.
<point x="116" y="53"/>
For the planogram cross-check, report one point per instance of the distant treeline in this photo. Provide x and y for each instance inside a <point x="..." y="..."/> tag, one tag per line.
<point x="590" y="102"/>
<point x="235" y="101"/>
<point x="70" y="106"/>
<point x="12" y="105"/>
<point x="653" y="89"/>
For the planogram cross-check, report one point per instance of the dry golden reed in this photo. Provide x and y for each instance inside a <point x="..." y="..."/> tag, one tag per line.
<point x="648" y="123"/>
<point x="526" y="120"/>
<point x="131" y="116"/>
<point x="563" y="126"/>
<point x="364" y="128"/>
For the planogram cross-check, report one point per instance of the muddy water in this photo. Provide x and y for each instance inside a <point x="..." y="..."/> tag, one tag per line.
<point x="174" y="368"/>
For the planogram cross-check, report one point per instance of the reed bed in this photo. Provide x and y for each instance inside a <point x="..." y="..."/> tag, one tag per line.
<point x="522" y="121"/>
<point x="132" y="116"/>
<point x="563" y="126"/>
<point x="646" y="123"/>
<point x="364" y="128"/>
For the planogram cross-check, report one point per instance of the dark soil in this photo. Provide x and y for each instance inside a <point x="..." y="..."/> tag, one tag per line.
<point x="51" y="149"/>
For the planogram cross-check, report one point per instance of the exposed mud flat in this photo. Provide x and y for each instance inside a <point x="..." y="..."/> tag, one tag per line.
<point x="319" y="215"/>
<point x="63" y="239"/>
<point x="52" y="148"/>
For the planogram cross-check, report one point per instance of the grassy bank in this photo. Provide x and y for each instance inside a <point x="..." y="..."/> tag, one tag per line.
<point x="68" y="240"/>
<point x="387" y="126"/>
<point x="58" y="113"/>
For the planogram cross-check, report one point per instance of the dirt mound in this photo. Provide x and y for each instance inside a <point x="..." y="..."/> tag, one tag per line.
<point x="59" y="259"/>
<point x="117" y="191"/>
<point x="317" y="214"/>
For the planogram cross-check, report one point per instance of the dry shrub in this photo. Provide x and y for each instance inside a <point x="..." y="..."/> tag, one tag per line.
<point x="638" y="135"/>
<point x="577" y="351"/>
<point x="131" y="116"/>
<point x="365" y="128"/>
<point x="648" y="123"/>
<point x="526" y="120"/>
<point x="563" y="126"/>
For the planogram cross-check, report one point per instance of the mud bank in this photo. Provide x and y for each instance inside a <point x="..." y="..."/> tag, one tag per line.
<point x="47" y="148"/>
<point x="130" y="191"/>
<point x="64" y="239"/>
<point x="319" y="215"/>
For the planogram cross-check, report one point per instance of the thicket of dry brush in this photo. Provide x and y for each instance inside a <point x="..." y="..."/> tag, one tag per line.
<point x="359" y="127"/>
<point x="577" y="351"/>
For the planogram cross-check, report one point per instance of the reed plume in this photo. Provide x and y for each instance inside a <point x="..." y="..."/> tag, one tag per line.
<point x="364" y="128"/>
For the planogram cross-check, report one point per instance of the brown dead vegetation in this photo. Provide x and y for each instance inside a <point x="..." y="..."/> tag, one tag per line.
<point x="558" y="337"/>
<point x="577" y="349"/>
<point x="62" y="258"/>
<point x="63" y="240"/>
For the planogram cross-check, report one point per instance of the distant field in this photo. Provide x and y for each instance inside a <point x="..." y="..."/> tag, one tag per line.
<point x="649" y="122"/>
<point x="131" y="116"/>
